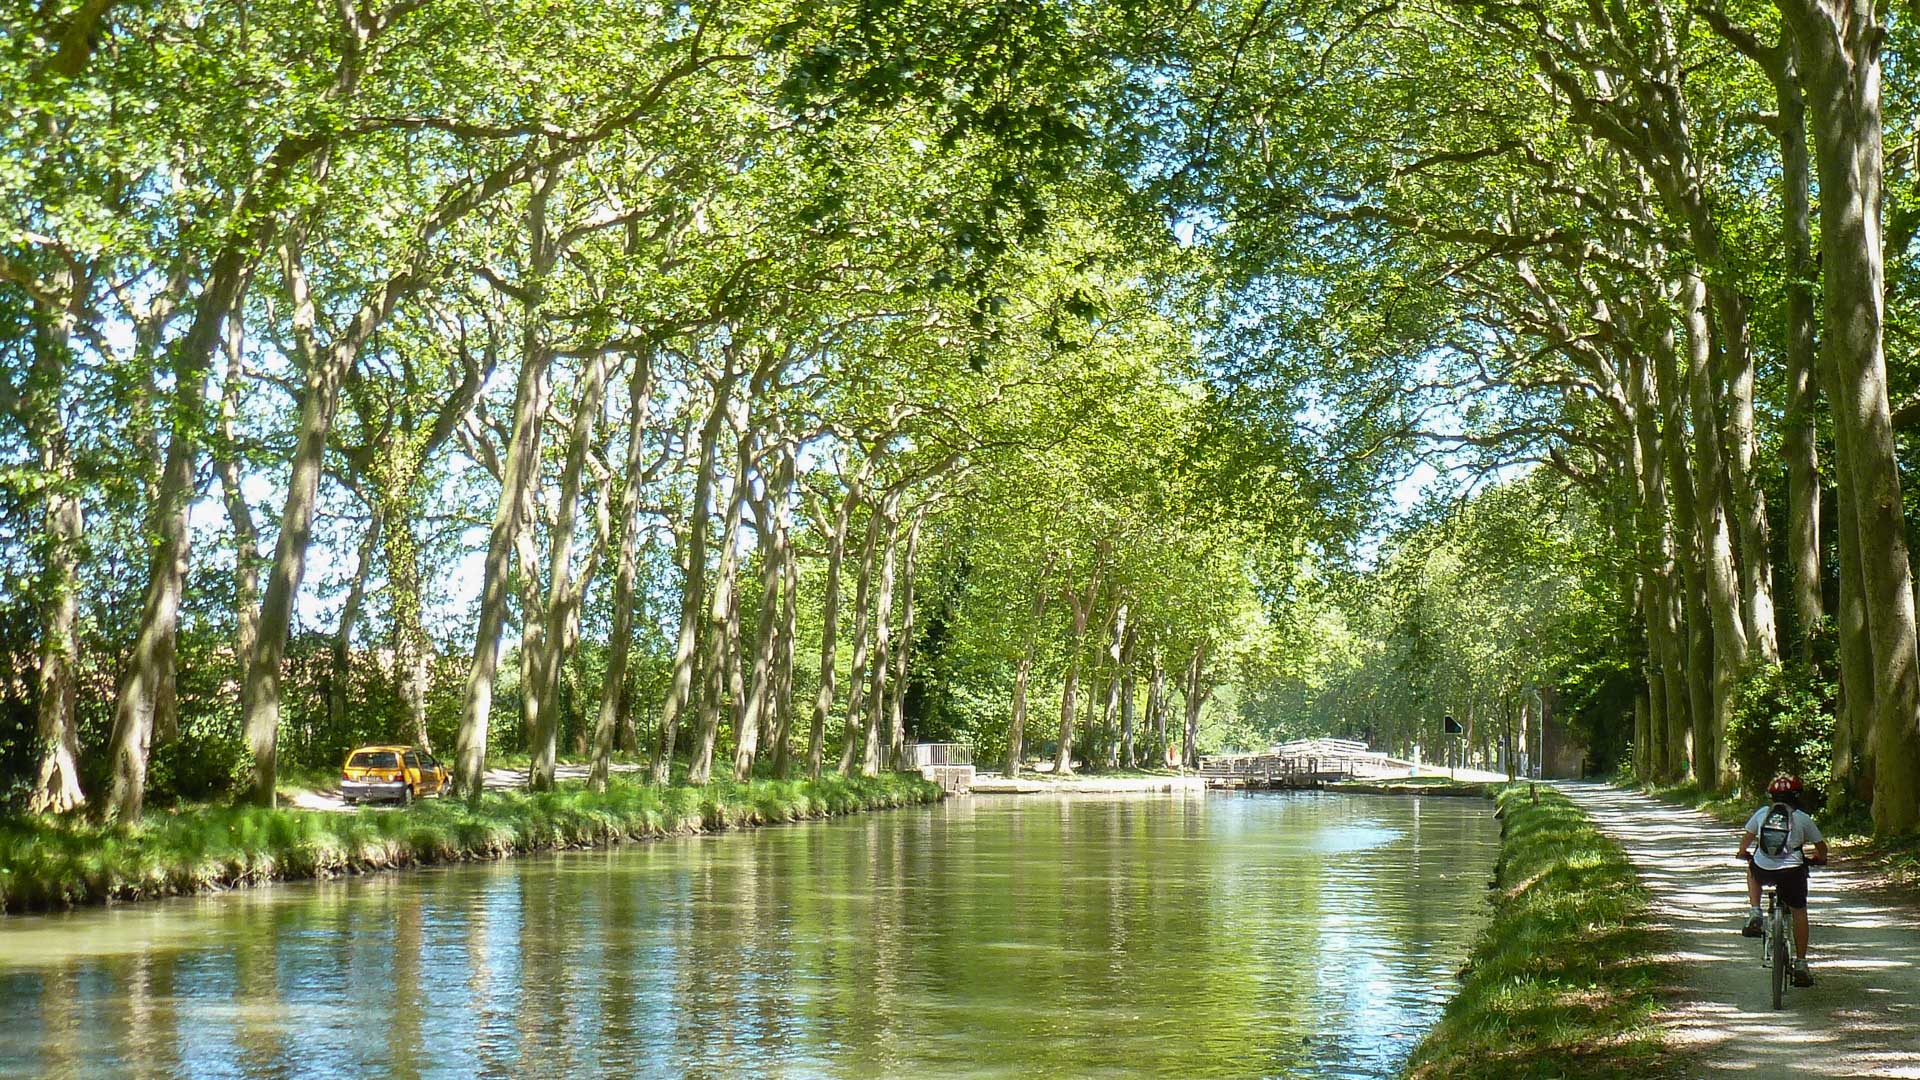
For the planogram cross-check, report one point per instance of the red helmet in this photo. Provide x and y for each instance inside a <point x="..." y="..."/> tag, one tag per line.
<point x="1785" y="784"/>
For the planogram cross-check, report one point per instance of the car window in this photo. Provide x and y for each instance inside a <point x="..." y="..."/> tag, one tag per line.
<point x="413" y="760"/>
<point x="375" y="759"/>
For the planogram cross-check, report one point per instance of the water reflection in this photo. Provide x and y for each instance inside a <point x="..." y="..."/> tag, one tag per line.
<point x="1309" y="936"/>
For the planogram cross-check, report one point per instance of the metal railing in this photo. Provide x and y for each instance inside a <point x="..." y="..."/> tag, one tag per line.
<point x="920" y="755"/>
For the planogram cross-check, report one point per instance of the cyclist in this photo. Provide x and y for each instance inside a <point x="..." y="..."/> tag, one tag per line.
<point x="1772" y="846"/>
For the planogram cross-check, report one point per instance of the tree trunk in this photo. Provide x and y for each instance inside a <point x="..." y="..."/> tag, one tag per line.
<point x="1117" y="678"/>
<point x="693" y="596"/>
<point x="830" y="619"/>
<point x="1839" y="47"/>
<point x="1797" y="434"/>
<point x="1082" y="607"/>
<point x="877" y="737"/>
<point x="766" y="630"/>
<point x="614" y="705"/>
<point x="1157" y="704"/>
<point x="789" y="620"/>
<point x="1853" y="720"/>
<point x="150" y="663"/>
<point x="519" y="475"/>
<point x="341" y="673"/>
<point x="562" y="593"/>
<point x="897" y="725"/>
<point x="320" y="399"/>
<point x="857" y="675"/>
<point x="246" y="538"/>
<point x="1197" y="693"/>
<point x="411" y="645"/>
<point x="1722" y="580"/>
<point x="722" y="629"/>
<point x="56" y="788"/>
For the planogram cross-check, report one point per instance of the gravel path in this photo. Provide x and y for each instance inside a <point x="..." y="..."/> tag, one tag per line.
<point x="1862" y="1016"/>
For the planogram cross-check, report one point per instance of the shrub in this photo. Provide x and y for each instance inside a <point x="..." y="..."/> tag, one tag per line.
<point x="1783" y="722"/>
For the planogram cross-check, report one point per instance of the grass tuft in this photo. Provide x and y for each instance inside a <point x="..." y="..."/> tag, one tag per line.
<point x="1564" y="981"/>
<point x="57" y="862"/>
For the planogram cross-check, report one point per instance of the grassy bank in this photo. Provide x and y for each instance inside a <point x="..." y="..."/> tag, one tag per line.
<point x="1563" y="982"/>
<point x="1411" y="785"/>
<point x="53" y="863"/>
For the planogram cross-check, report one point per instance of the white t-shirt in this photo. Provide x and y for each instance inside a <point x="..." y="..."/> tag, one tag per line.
<point x="1800" y="830"/>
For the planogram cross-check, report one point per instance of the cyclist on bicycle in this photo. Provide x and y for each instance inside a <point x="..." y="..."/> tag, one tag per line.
<point x="1772" y="846"/>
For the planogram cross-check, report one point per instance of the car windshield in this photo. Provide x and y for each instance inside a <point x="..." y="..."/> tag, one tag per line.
<point x="374" y="759"/>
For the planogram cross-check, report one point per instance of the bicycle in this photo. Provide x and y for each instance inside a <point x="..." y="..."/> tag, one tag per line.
<point x="1776" y="943"/>
<point x="1777" y="952"/>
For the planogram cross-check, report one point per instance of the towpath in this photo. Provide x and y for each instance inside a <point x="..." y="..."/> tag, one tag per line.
<point x="1862" y="1016"/>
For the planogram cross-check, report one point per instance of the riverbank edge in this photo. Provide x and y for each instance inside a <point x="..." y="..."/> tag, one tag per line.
<point x="998" y="784"/>
<point x="1443" y="790"/>
<point x="1566" y="978"/>
<point x="57" y="863"/>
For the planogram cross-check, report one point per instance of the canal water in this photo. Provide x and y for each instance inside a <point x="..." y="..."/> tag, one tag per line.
<point x="1180" y="936"/>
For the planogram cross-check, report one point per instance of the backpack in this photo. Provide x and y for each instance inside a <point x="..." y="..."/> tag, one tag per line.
<point x="1774" y="830"/>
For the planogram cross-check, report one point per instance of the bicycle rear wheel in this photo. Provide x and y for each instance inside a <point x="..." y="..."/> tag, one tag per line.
<point x="1777" y="943"/>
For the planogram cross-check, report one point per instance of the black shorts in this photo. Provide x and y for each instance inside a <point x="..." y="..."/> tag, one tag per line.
<point x="1792" y="881"/>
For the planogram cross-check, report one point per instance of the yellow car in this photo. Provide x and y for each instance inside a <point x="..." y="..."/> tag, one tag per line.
<point x="401" y="773"/>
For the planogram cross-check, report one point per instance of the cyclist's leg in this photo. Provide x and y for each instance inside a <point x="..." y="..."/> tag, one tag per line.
<point x="1753" y="888"/>
<point x="1793" y="891"/>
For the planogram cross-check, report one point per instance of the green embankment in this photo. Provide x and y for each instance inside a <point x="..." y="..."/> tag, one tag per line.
<point x="1564" y="981"/>
<point x="53" y="863"/>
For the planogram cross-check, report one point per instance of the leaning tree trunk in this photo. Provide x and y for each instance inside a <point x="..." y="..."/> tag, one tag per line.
<point x="150" y="663"/>
<point x="519" y="473"/>
<point x="1839" y="44"/>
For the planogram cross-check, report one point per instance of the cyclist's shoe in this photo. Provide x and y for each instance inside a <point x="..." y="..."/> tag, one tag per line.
<point x="1801" y="976"/>
<point x="1752" y="929"/>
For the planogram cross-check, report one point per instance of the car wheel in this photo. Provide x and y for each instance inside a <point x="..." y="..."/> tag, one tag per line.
<point x="406" y="795"/>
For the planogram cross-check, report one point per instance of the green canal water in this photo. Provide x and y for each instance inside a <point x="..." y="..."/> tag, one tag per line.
<point x="1181" y="936"/>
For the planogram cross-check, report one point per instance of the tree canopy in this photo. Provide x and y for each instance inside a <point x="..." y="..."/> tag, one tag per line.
<point x="758" y="386"/>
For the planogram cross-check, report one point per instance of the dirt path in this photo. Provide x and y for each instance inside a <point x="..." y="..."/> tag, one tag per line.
<point x="496" y="779"/>
<point x="1862" y="1016"/>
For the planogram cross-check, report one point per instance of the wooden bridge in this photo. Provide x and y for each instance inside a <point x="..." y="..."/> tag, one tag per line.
<point x="1310" y="764"/>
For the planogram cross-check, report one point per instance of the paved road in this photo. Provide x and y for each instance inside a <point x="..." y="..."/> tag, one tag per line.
<point x="1862" y="1016"/>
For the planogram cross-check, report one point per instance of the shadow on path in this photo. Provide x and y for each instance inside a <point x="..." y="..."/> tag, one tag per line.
<point x="1862" y="1016"/>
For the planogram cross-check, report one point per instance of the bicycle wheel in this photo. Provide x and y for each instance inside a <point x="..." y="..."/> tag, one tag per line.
<point x="1777" y="943"/>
